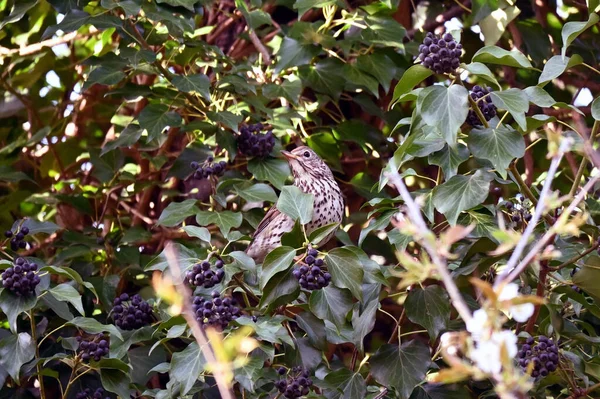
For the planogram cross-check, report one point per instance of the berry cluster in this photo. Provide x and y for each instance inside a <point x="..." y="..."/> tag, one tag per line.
<point x="252" y="143"/>
<point x="440" y="54"/>
<point x="21" y="279"/>
<point x="203" y="275"/>
<point x="518" y="209"/>
<point x="544" y="356"/>
<point x="17" y="238"/>
<point x="310" y="276"/>
<point x="87" y="394"/>
<point x="131" y="313"/>
<point x="208" y="168"/>
<point x="296" y="384"/>
<point x="217" y="311"/>
<point x="95" y="347"/>
<point x="485" y="105"/>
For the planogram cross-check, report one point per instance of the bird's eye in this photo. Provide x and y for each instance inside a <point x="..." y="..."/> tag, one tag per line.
<point x="306" y="154"/>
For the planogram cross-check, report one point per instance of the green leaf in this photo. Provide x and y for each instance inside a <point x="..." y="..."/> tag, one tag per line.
<point x="514" y="101"/>
<point x="257" y="192"/>
<point x="401" y="367"/>
<point x="272" y="170"/>
<point x="304" y="5"/>
<point x="72" y="21"/>
<point x="198" y="83"/>
<point x="345" y="384"/>
<point x="186" y="367"/>
<point x="461" y="193"/>
<point x="556" y="66"/>
<point x="177" y="212"/>
<point x="493" y="26"/>
<point x="363" y="315"/>
<point x="281" y="289"/>
<point x="15" y="351"/>
<point x="131" y="7"/>
<point x="104" y="76"/>
<point x="13" y="306"/>
<point x="596" y="109"/>
<point x="482" y="8"/>
<point x="355" y="77"/>
<point x="115" y="381"/>
<point x="499" y="56"/>
<point x="189" y="4"/>
<point x="290" y="88"/>
<point x="324" y="77"/>
<point x="481" y="70"/>
<point x="185" y="256"/>
<point x="225" y="220"/>
<point x="410" y="78"/>
<point x="276" y="261"/>
<point x="444" y="108"/>
<point x="314" y="329"/>
<point x="127" y="138"/>
<point x="155" y="118"/>
<point x="539" y="97"/>
<point x="498" y="145"/>
<point x="430" y="308"/>
<point x="571" y="30"/>
<point x="35" y="226"/>
<point x="384" y="31"/>
<point x="380" y="66"/>
<point x="346" y="270"/>
<point x="93" y="326"/>
<point x="318" y="235"/>
<point x="198" y="232"/>
<point x="450" y="158"/>
<point x="331" y="303"/>
<point x="18" y="10"/>
<point x="296" y="204"/>
<point x="292" y="53"/>
<point x="226" y="118"/>
<point x="65" y="292"/>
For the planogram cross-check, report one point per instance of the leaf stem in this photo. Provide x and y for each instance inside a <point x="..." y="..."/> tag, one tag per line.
<point x="478" y="112"/>
<point x="522" y="186"/>
<point x="37" y="355"/>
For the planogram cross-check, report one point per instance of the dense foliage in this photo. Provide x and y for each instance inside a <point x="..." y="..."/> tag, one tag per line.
<point x="140" y="149"/>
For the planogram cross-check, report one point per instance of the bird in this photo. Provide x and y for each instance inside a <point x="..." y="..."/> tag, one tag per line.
<point x="311" y="175"/>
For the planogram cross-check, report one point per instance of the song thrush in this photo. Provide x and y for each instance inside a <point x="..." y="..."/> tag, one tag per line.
<point x="313" y="176"/>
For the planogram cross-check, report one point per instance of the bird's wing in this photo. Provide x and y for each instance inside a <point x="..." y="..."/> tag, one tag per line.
<point x="269" y="217"/>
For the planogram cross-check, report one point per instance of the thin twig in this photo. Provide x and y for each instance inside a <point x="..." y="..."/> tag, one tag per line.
<point x="259" y="46"/>
<point x="197" y="330"/>
<point x="415" y="216"/>
<point x="537" y="214"/>
<point x="542" y="242"/>
<point x="576" y="257"/>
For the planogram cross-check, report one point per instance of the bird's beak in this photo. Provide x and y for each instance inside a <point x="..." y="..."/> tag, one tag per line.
<point x="289" y="155"/>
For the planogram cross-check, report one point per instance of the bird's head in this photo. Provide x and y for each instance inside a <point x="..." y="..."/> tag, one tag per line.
<point x="304" y="161"/>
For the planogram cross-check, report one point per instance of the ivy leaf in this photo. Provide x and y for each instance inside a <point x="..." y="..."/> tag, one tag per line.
<point x="401" y="367"/>
<point x="450" y="158"/>
<point x="482" y="8"/>
<point x="155" y="118"/>
<point x="115" y="381"/>
<point x="65" y="292"/>
<point x="316" y="236"/>
<point x="186" y="366"/>
<point x="225" y="220"/>
<point x="324" y="77"/>
<point x="228" y="119"/>
<point x="276" y="261"/>
<point x="345" y="384"/>
<point x="461" y="193"/>
<point x="290" y="89"/>
<point x="15" y="351"/>
<point x="481" y="70"/>
<point x="177" y="212"/>
<point x="445" y="108"/>
<point x="383" y="30"/>
<point x="257" y="192"/>
<point x="410" y="78"/>
<point x="556" y="66"/>
<point x="356" y="77"/>
<point x="273" y="170"/>
<point x="514" y="101"/>
<point x="314" y="329"/>
<point x="93" y="326"/>
<point x="198" y="232"/>
<point x="198" y="83"/>
<point x="13" y="306"/>
<point x="72" y="21"/>
<point x="188" y="4"/>
<point x="296" y="204"/>
<point x="499" y="56"/>
<point x="304" y="5"/>
<point x="499" y="145"/>
<point x="186" y="257"/>
<point x="293" y="53"/>
<point x="346" y="270"/>
<point x="380" y="66"/>
<point x="429" y="308"/>
<point x="17" y="11"/>
<point x="571" y="30"/>
<point x="363" y="315"/>
<point x="332" y="304"/>
<point x="104" y="76"/>
<point x="282" y="288"/>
